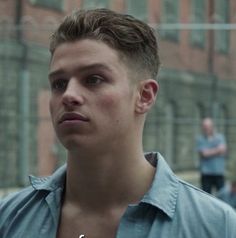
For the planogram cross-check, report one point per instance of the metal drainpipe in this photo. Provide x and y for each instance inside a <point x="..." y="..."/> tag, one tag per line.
<point x="211" y="38"/>
<point x="23" y="145"/>
<point x="18" y="16"/>
<point x="211" y="55"/>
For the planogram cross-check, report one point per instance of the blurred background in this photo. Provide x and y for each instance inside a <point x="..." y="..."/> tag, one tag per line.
<point x="197" y="40"/>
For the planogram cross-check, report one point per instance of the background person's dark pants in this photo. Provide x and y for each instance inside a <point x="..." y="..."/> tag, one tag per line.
<point x="212" y="181"/>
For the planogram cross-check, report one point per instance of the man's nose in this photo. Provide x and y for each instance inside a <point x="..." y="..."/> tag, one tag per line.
<point x="72" y="95"/>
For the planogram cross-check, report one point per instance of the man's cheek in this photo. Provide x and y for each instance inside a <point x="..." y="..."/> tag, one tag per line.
<point x="109" y="101"/>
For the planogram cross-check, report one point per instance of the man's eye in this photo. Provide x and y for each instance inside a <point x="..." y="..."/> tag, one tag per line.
<point x="94" y="80"/>
<point x="59" y="84"/>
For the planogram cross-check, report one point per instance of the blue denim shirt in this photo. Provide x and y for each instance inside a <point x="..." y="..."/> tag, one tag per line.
<point x="214" y="165"/>
<point x="171" y="208"/>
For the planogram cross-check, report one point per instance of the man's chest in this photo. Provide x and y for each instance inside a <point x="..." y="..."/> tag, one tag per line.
<point x="86" y="226"/>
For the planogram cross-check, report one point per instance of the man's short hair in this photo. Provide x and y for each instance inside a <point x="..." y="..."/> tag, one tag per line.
<point x="134" y="40"/>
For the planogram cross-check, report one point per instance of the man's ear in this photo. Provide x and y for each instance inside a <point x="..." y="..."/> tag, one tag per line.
<point x="147" y="95"/>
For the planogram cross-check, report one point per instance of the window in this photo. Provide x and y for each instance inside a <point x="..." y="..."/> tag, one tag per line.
<point x="88" y="4"/>
<point x="198" y="16"/>
<point x="54" y="4"/>
<point x="170" y="14"/>
<point x="137" y="8"/>
<point x="221" y="36"/>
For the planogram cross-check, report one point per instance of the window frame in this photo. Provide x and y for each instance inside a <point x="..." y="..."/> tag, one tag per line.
<point x="47" y="4"/>
<point x="131" y="8"/>
<point x="168" y="17"/>
<point x="198" y="37"/>
<point x="222" y="37"/>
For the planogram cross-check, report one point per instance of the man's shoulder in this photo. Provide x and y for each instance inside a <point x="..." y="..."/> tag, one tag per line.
<point x="16" y="199"/>
<point x="219" y="136"/>
<point x="25" y="211"/>
<point x="199" y="137"/>
<point x="37" y="185"/>
<point x="39" y="188"/>
<point x="204" y="203"/>
<point x="12" y="204"/>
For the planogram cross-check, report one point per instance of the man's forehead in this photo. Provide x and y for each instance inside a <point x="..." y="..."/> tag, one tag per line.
<point x="86" y="49"/>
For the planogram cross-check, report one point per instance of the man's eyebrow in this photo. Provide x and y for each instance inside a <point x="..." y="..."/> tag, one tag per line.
<point x="55" y="73"/>
<point x="94" y="66"/>
<point x="81" y="68"/>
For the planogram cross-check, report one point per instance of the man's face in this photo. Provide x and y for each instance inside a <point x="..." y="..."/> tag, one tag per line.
<point x="207" y="127"/>
<point x="92" y="100"/>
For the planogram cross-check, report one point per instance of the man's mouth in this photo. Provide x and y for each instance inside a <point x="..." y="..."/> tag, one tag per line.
<point x="72" y="116"/>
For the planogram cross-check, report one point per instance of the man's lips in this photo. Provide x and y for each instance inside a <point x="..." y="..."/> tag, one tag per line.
<point x="72" y="116"/>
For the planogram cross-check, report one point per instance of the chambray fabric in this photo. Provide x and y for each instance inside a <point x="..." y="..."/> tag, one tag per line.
<point x="214" y="165"/>
<point x="171" y="208"/>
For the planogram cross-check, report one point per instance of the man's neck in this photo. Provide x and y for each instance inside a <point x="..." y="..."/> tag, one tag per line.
<point x="109" y="181"/>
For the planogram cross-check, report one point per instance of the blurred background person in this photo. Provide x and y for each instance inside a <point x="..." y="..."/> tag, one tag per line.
<point x="212" y="150"/>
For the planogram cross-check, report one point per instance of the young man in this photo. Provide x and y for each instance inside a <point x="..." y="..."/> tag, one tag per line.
<point x="102" y="76"/>
<point x="212" y="150"/>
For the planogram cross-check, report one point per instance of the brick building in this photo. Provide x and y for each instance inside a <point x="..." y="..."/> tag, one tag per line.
<point x="197" y="79"/>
